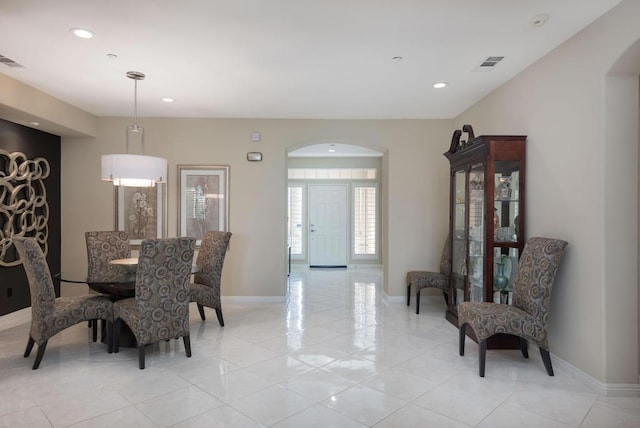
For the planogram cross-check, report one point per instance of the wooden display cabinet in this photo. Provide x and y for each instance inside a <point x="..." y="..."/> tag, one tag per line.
<point x="487" y="221"/>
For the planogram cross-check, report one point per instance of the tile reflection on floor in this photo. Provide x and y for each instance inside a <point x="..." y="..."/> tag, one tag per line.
<point x="333" y="355"/>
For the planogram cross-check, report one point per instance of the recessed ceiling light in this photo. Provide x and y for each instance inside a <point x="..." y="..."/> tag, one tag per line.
<point x="34" y="123"/>
<point x="82" y="33"/>
<point x="539" y="20"/>
<point x="440" y="85"/>
<point x="168" y="100"/>
<point x="112" y="56"/>
<point x="397" y="59"/>
<point x="332" y="150"/>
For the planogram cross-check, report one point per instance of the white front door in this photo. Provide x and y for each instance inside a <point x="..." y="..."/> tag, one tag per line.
<point x="327" y="225"/>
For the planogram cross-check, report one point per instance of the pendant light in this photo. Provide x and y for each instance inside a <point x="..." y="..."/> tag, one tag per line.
<point x="129" y="169"/>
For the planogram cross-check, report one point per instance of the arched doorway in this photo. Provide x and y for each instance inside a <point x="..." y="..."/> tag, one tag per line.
<point x="351" y="176"/>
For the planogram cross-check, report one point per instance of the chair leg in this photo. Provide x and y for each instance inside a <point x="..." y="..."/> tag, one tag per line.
<point x="462" y="337"/>
<point x="141" y="356"/>
<point x="546" y="359"/>
<point x="201" y="310"/>
<point x="408" y="294"/>
<point x="117" y="325"/>
<point x="524" y="347"/>
<point x="482" y="355"/>
<point x="41" y="348"/>
<point x="219" y="315"/>
<point x="110" y="337"/>
<point x="418" y="302"/>
<point x="187" y="345"/>
<point x="30" y="343"/>
<point x="446" y="297"/>
<point x="94" y="331"/>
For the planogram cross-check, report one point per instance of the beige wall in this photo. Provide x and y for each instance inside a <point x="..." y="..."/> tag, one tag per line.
<point x="582" y="127"/>
<point x="416" y="188"/>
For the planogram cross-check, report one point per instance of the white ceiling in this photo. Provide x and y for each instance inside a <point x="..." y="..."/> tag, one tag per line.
<point x="281" y="58"/>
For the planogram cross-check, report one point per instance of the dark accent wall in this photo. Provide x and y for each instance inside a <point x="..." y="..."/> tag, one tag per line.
<point x="14" y="287"/>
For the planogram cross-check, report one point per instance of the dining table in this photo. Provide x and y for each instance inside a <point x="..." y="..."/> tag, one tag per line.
<point x="120" y="286"/>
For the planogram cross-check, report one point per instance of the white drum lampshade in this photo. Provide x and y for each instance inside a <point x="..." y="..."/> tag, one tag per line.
<point x="134" y="170"/>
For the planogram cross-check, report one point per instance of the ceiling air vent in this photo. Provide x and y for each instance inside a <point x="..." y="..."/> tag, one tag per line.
<point x="489" y="63"/>
<point x="9" y="62"/>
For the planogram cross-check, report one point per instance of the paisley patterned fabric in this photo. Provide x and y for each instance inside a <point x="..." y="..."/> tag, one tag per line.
<point x="50" y="315"/>
<point x="205" y="289"/>
<point x="527" y="318"/>
<point x="102" y="247"/>
<point x="423" y="279"/>
<point x="160" y="308"/>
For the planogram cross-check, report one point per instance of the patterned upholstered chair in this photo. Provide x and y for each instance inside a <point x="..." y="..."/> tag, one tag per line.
<point x="424" y="279"/>
<point x="160" y="308"/>
<point x="205" y="289"/>
<point x="51" y="315"/>
<point x="527" y="318"/>
<point x="102" y="247"/>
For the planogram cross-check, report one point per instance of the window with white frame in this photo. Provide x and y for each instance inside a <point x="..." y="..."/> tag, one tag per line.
<point x="364" y="221"/>
<point x="295" y="213"/>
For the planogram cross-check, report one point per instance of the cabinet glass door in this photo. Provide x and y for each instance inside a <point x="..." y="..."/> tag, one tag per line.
<point x="476" y="233"/>
<point x="506" y="231"/>
<point x="506" y="201"/>
<point x="458" y="256"/>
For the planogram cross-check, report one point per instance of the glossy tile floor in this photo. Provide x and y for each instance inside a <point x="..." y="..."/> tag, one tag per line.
<point x="333" y="355"/>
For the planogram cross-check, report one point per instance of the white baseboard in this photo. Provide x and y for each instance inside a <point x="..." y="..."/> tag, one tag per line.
<point x="253" y="299"/>
<point x="606" y="389"/>
<point x="15" y="318"/>
<point x="393" y="299"/>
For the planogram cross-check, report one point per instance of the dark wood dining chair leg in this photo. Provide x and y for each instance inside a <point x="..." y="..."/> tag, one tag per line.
<point x="94" y="331"/>
<point x="201" y="310"/>
<point x="408" y="294"/>
<point x="219" y="315"/>
<point x="482" y="356"/>
<point x="418" y="302"/>
<point x="524" y="347"/>
<point x="29" y="347"/>
<point x="141" y="356"/>
<point x="41" y="348"/>
<point x="187" y="345"/>
<point x="461" y="339"/>
<point x="109" y="337"/>
<point x="115" y="335"/>
<point x="546" y="359"/>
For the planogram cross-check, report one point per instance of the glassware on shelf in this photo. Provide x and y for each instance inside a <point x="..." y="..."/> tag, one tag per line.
<point x="503" y="189"/>
<point x="500" y="281"/>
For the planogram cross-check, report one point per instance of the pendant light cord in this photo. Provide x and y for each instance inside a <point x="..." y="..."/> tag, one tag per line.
<point x="135" y="129"/>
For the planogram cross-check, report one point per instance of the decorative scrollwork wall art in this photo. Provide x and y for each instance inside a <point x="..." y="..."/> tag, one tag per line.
<point x="24" y="210"/>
